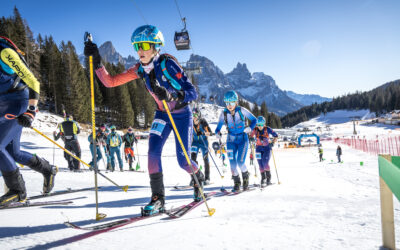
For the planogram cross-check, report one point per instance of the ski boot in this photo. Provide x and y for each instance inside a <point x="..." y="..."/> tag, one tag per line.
<point x="196" y="189"/>
<point x="156" y="205"/>
<point x="268" y="176"/>
<point x="49" y="172"/>
<point x="263" y="179"/>
<point x="245" y="176"/>
<point x="16" y="185"/>
<point x="236" y="183"/>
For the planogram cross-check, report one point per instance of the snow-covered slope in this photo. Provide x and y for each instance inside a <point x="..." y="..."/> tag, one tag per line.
<point x="317" y="205"/>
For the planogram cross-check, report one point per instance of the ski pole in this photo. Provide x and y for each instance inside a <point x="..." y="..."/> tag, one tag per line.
<point x="211" y="157"/>
<point x="211" y="211"/>
<point x="99" y="216"/>
<point x="138" y="157"/>
<point x="273" y="157"/>
<point x="125" y="188"/>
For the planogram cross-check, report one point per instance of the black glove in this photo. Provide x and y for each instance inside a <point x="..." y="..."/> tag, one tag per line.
<point x="26" y="118"/>
<point x="162" y="93"/>
<point x="252" y="140"/>
<point x="271" y="145"/>
<point x="178" y="96"/>
<point x="92" y="50"/>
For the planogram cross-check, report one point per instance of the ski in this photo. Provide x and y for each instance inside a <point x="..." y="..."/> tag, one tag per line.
<point x="67" y="191"/>
<point x="182" y="187"/>
<point x="116" y="224"/>
<point x="230" y="193"/>
<point x="35" y="204"/>
<point x="189" y="207"/>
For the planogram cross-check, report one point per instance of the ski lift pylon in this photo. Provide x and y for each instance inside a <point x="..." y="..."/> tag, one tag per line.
<point x="182" y="39"/>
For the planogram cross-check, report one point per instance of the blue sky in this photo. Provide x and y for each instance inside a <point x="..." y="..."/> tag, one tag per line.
<point x="326" y="47"/>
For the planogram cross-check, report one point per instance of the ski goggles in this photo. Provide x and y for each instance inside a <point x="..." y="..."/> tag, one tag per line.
<point x="230" y="103"/>
<point x="145" y="46"/>
<point x="130" y="130"/>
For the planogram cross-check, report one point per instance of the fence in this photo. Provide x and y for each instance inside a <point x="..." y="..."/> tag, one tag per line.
<point x="388" y="145"/>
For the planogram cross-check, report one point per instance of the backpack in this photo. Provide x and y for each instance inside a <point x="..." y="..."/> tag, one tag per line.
<point x="170" y="79"/>
<point x="240" y="114"/>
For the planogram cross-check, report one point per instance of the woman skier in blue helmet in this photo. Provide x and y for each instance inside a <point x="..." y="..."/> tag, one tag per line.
<point x="165" y="80"/>
<point x="234" y="118"/>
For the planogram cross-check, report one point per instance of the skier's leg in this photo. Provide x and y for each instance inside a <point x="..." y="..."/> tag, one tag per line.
<point x="204" y="151"/>
<point x="77" y="151"/>
<point x="112" y="151"/>
<point x="120" y="162"/>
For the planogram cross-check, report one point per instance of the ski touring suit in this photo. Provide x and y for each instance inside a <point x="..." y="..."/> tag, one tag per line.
<point x="129" y="140"/>
<point x="200" y="142"/>
<point x="237" y="141"/>
<point x="68" y="133"/>
<point x="99" y="155"/>
<point x="18" y="86"/>
<point x="114" y="141"/>
<point x="263" y="146"/>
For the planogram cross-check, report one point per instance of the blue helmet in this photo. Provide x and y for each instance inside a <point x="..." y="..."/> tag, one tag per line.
<point x="148" y="33"/>
<point x="260" y="121"/>
<point x="112" y="127"/>
<point x="231" y="96"/>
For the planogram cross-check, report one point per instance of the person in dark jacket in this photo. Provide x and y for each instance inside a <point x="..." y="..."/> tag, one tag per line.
<point x="129" y="139"/>
<point x="69" y="129"/>
<point x="339" y="153"/>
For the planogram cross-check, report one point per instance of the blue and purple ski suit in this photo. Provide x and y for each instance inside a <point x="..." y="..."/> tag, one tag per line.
<point x="237" y="141"/>
<point x="263" y="146"/>
<point x="15" y="93"/>
<point x="161" y="126"/>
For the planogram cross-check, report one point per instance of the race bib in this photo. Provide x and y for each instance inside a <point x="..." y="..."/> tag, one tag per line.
<point x="157" y="127"/>
<point x="230" y="154"/>
<point x="194" y="149"/>
<point x="258" y="156"/>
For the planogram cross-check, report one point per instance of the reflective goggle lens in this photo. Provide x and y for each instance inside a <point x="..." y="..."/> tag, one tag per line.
<point x="130" y="130"/>
<point x="144" y="46"/>
<point x="230" y="103"/>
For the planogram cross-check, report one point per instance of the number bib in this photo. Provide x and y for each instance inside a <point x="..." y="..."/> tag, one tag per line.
<point x="157" y="127"/>
<point x="194" y="149"/>
<point x="258" y="156"/>
<point x="230" y="154"/>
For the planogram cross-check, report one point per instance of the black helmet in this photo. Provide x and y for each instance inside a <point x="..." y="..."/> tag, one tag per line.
<point x="216" y="146"/>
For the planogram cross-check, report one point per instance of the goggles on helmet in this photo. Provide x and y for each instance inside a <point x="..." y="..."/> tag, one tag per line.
<point x="145" y="46"/>
<point x="230" y="103"/>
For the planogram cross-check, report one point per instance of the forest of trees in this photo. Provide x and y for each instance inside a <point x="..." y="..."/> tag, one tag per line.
<point x="379" y="100"/>
<point x="272" y="120"/>
<point x="64" y="81"/>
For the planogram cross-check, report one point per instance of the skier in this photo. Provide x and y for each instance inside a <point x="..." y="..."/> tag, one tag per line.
<point x="251" y="158"/>
<point x="98" y="143"/>
<point x="114" y="142"/>
<point x="68" y="133"/>
<point x="19" y="95"/>
<point x="321" y="153"/>
<point x="263" y="148"/>
<point x="166" y="81"/>
<point x="201" y="131"/>
<point x="339" y="153"/>
<point x="129" y="139"/>
<point x="102" y="137"/>
<point x="237" y="140"/>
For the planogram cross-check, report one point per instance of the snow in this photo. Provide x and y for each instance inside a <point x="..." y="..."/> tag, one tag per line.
<point x="317" y="205"/>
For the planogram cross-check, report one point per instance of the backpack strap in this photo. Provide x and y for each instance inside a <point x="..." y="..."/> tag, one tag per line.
<point x="171" y="80"/>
